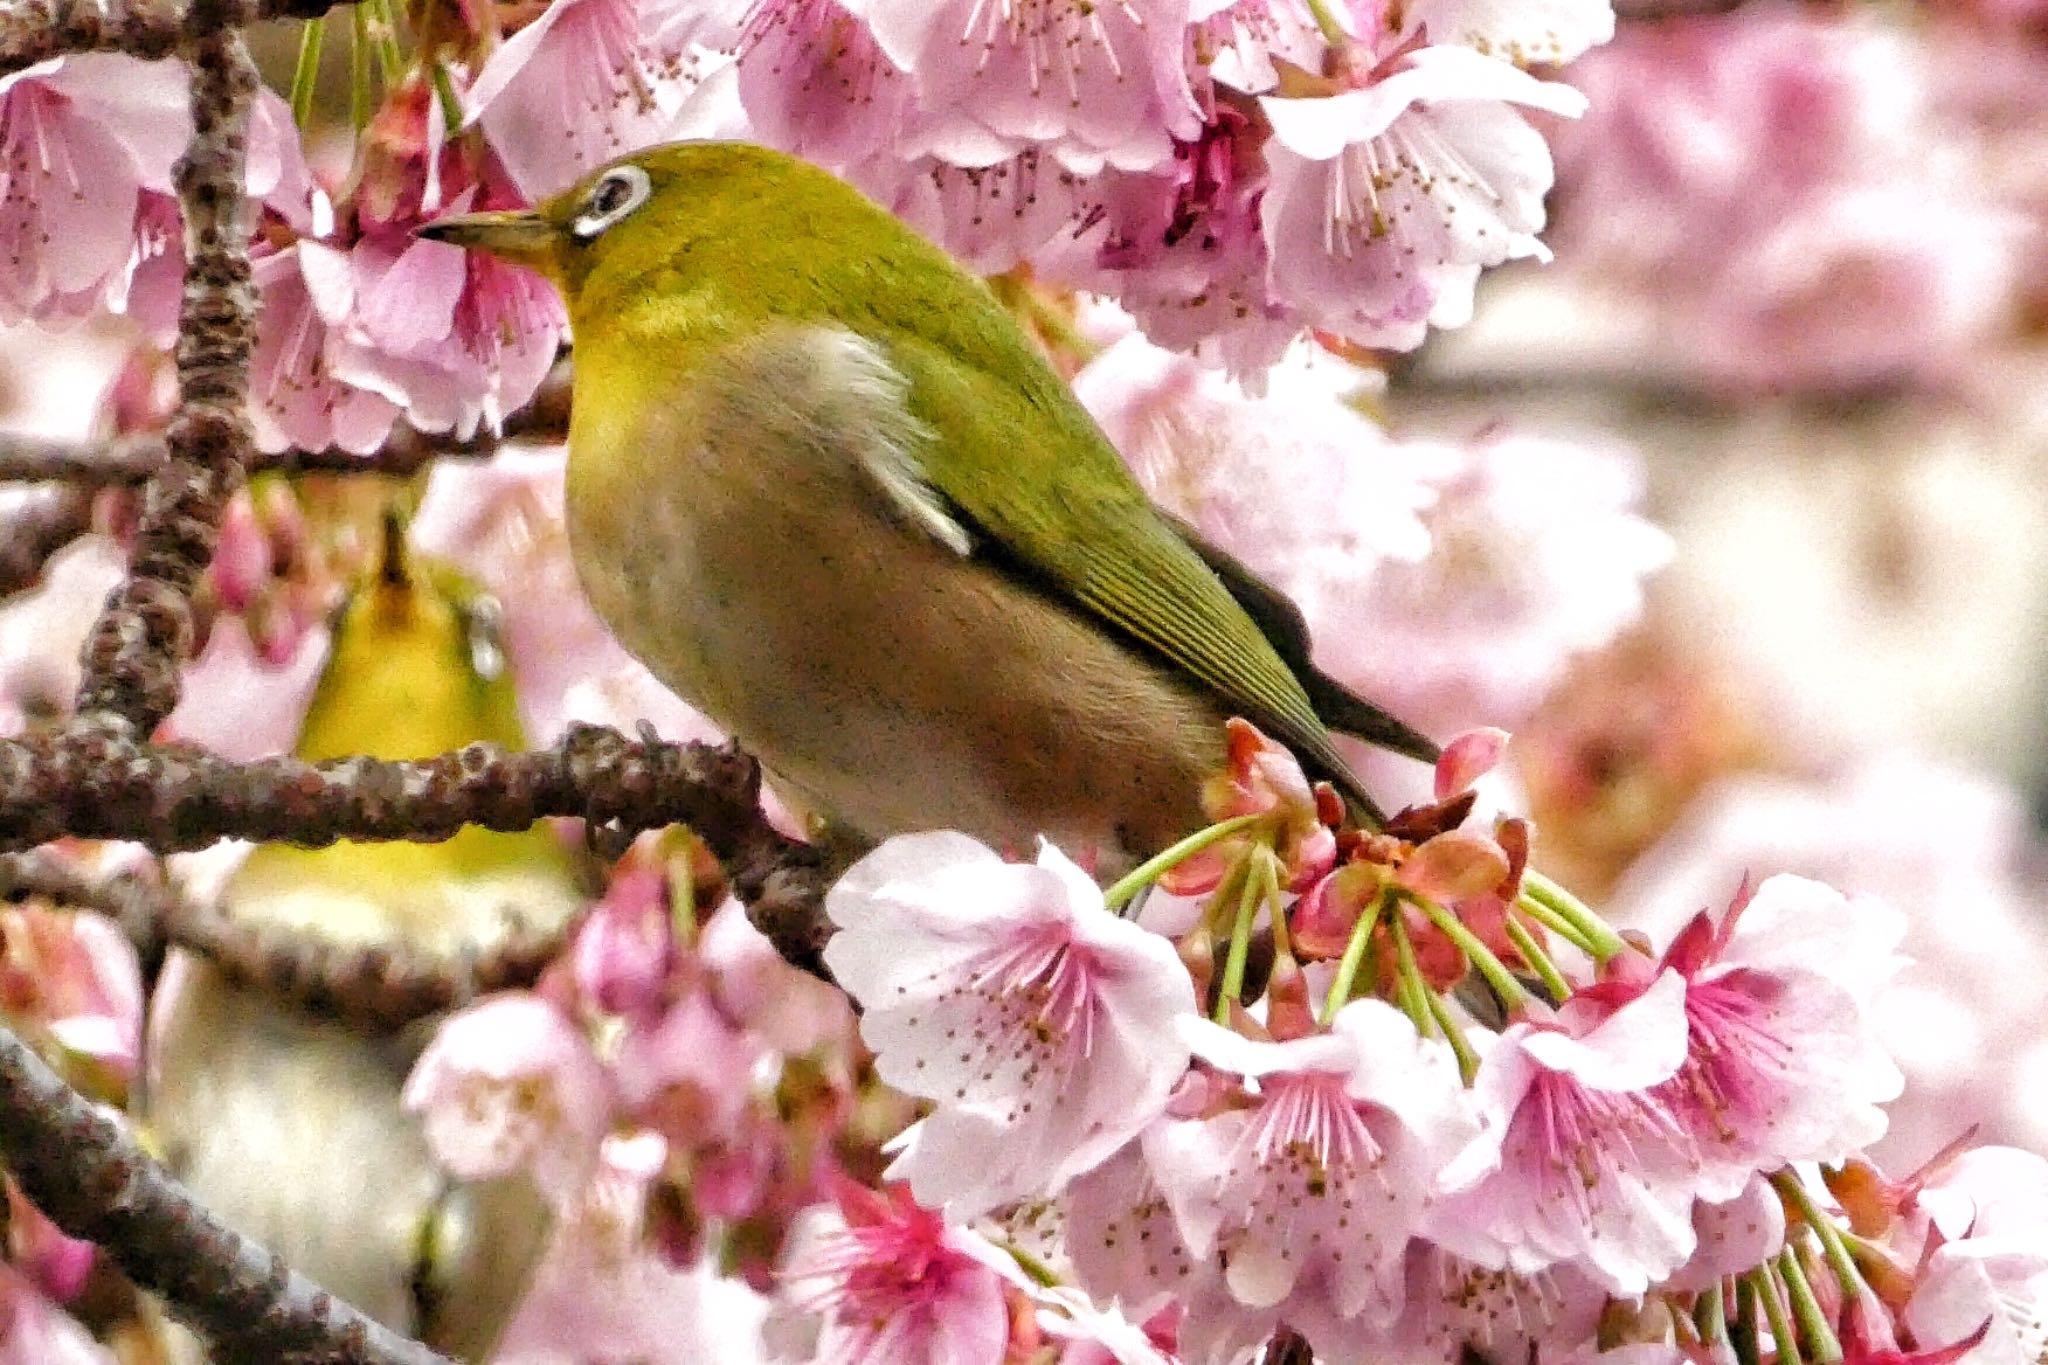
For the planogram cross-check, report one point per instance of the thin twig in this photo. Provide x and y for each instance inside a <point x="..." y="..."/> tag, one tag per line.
<point x="99" y="784"/>
<point x="371" y="986"/>
<point x="40" y="524"/>
<point x="133" y="459"/>
<point x="85" y="1171"/>
<point x="131" y="657"/>
<point x="34" y="31"/>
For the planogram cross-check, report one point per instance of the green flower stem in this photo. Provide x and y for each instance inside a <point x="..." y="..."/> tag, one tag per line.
<point x="1240" y="940"/>
<point x="1710" y="1316"/>
<point x="359" y="68"/>
<point x="384" y="28"/>
<point x="1601" y="940"/>
<point x="1447" y="1024"/>
<point x="1326" y="20"/>
<point x="1742" y="1333"/>
<point x="1354" y="954"/>
<point x="1554" y="922"/>
<point x="1538" y="960"/>
<point x="1827" y="1230"/>
<point x="1269" y="886"/>
<point x="1149" y="871"/>
<point x="1511" y="992"/>
<point x="451" y="103"/>
<point x="1782" y="1336"/>
<point x="1821" y="1342"/>
<point x="306" y="74"/>
<point x="1036" y="1270"/>
<point x="1408" y="987"/>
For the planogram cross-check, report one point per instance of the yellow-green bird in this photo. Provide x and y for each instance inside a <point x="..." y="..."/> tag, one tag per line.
<point x="825" y="487"/>
<point x="288" y="1123"/>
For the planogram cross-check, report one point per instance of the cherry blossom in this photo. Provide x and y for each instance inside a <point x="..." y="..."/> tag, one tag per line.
<point x="1452" y="1307"/>
<point x="624" y="949"/>
<point x="71" y="981"/>
<point x="1040" y="1022"/>
<point x="1525" y="32"/>
<point x="1093" y="84"/>
<point x="894" y="1282"/>
<point x="1577" y="1159"/>
<point x="296" y="398"/>
<point x="1309" y="1191"/>
<point x="815" y="82"/>
<point x="34" y="1331"/>
<point x="86" y="143"/>
<point x="1387" y="200"/>
<point x="589" y="80"/>
<point x="510" y="1085"/>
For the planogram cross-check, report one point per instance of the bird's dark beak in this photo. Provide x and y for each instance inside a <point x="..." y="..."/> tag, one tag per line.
<point x="517" y="235"/>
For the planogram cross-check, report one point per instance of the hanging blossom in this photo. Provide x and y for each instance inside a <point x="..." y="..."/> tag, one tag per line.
<point x="1007" y="994"/>
<point x="589" y="80"/>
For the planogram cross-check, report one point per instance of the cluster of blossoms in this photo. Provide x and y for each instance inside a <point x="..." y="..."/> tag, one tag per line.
<point x="1234" y="173"/>
<point x="1812" y="199"/>
<point x="1392" y="1094"/>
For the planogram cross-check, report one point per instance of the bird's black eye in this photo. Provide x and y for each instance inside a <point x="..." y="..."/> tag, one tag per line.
<point x="617" y="193"/>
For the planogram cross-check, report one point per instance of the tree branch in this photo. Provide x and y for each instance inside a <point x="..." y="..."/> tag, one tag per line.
<point x="40" y="524"/>
<point x="85" y="1171"/>
<point x="131" y="657"/>
<point x="34" y="31"/>
<point x="98" y="784"/>
<point x="377" y="987"/>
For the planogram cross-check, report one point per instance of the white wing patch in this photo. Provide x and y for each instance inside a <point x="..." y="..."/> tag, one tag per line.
<point x="851" y="365"/>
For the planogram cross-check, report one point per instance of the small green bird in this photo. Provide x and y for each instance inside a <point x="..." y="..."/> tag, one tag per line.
<point x="822" y="484"/>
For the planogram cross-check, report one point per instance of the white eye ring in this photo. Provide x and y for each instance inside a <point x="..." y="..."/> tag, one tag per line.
<point x="621" y="190"/>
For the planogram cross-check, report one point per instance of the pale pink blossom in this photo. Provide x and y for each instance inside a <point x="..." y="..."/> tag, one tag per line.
<point x="1040" y="1023"/>
<point x="1387" y="200"/>
<point x="1089" y="1335"/>
<point x="1941" y="845"/>
<point x="296" y="400"/>
<point x="990" y="217"/>
<point x="84" y="141"/>
<point x="1123" y="1242"/>
<point x="1309" y="1191"/>
<point x="686" y="1072"/>
<point x="1239" y="42"/>
<point x="603" y="1292"/>
<point x="1453" y="1308"/>
<point x="1525" y="32"/>
<point x="1091" y="84"/>
<point x="893" y="1282"/>
<point x="269" y="696"/>
<point x="59" y="1265"/>
<point x="1536" y="553"/>
<point x="790" y="1010"/>
<point x="625" y="949"/>
<point x="34" y="1331"/>
<point x="1783" y="1064"/>
<point x="1181" y="248"/>
<point x="590" y="80"/>
<point x="1997" y="1280"/>
<point x="510" y="1085"/>
<point x="1735" y="1235"/>
<point x="1577" y="1160"/>
<point x="815" y="82"/>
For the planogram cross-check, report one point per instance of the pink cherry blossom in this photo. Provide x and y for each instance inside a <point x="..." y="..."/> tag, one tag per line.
<point x="1387" y="200"/>
<point x="296" y="399"/>
<point x="593" y="79"/>
<point x="84" y="142"/>
<point x="509" y="1085"/>
<point x="1093" y="84"/>
<point x="1577" y="1160"/>
<point x="990" y="217"/>
<point x="59" y="1265"/>
<point x="1040" y="1023"/>
<point x="603" y="1292"/>
<point x="1999" y="1281"/>
<point x="685" y="1072"/>
<point x="1239" y="41"/>
<point x="1453" y="1307"/>
<point x="894" y="1282"/>
<point x="1122" y="1239"/>
<point x="1735" y="1235"/>
<point x="1536" y="553"/>
<point x="1525" y="32"/>
<point x="788" y="1009"/>
<point x="1943" y="845"/>
<point x="1310" y="1191"/>
<point x="625" y="948"/>
<point x="815" y="82"/>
